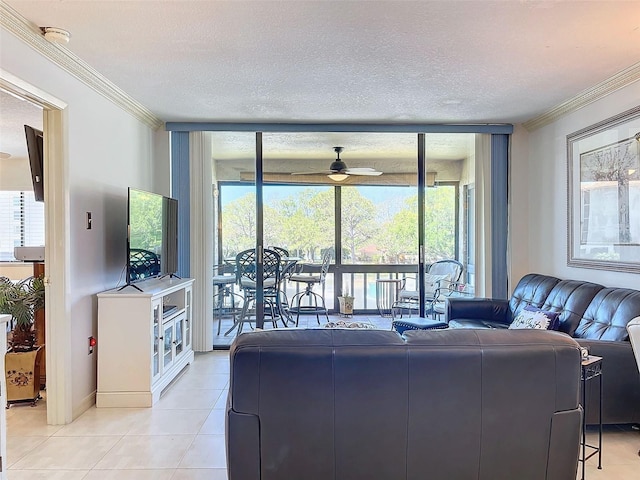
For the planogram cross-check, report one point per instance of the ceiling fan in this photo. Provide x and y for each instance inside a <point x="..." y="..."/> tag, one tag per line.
<point x="338" y="170"/>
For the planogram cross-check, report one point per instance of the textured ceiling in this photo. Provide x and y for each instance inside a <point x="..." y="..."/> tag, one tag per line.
<point x="340" y="61"/>
<point x="15" y="113"/>
<point x="424" y="61"/>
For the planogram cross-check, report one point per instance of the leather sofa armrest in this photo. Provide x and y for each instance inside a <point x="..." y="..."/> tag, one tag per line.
<point x="495" y="310"/>
<point x="243" y="445"/>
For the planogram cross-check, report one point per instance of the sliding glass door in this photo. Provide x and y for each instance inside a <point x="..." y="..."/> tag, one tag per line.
<point x="235" y="210"/>
<point x="448" y="234"/>
<point x="384" y="206"/>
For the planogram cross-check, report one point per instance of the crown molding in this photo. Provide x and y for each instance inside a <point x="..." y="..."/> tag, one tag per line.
<point x="619" y="80"/>
<point x="30" y="34"/>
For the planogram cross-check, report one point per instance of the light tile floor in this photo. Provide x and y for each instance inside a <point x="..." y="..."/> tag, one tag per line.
<point x="182" y="437"/>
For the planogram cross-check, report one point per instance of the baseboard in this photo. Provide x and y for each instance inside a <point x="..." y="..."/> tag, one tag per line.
<point x="85" y="404"/>
<point x="124" y="399"/>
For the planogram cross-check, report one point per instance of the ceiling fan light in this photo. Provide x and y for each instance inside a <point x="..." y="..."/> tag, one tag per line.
<point x="338" y="177"/>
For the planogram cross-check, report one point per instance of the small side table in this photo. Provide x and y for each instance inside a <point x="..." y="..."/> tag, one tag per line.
<point x="386" y="294"/>
<point x="591" y="368"/>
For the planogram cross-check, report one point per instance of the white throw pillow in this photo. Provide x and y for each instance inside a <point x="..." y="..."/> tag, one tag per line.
<point x="530" y="319"/>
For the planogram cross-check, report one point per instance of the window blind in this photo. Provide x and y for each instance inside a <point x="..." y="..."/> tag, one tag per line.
<point x="21" y="222"/>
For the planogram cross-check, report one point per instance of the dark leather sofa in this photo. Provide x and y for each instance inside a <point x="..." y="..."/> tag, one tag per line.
<point x="371" y="404"/>
<point x="596" y="316"/>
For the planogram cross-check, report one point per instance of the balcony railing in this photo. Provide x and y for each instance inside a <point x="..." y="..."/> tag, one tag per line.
<point x="356" y="280"/>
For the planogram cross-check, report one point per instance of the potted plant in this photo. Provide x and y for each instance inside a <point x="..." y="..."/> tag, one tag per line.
<point x="21" y="300"/>
<point x="346" y="304"/>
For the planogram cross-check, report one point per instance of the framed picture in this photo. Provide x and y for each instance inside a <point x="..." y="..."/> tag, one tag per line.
<point x="604" y="194"/>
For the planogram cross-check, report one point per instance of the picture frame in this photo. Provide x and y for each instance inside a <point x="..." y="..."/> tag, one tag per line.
<point x="603" y="203"/>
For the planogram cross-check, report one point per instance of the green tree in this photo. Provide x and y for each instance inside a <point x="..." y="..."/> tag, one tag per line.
<point x="358" y="226"/>
<point x="239" y="223"/>
<point x="307" y="221"/>
<point x="440" y="224"/>
<point x="398" y="238"/>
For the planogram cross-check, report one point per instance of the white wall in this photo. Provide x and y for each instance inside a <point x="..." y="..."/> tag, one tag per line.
<point x="539" y="194"/>
<point x="106" y="150"/>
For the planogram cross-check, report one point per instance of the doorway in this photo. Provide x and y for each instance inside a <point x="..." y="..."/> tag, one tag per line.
<point x="57" y="324"/>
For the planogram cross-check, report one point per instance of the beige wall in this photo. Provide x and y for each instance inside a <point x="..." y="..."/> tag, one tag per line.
<point x="16" y="270"/>
<point x="105" y="150"/>
<point x="538" y="215"/>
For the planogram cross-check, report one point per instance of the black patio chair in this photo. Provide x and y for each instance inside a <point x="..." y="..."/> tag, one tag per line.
<point x="311" y="280"/>
<point x="246" y="277"/>
<point x="225" y="300"/>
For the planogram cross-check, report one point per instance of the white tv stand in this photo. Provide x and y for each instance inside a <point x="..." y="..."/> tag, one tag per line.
<point x="144" y="340"/>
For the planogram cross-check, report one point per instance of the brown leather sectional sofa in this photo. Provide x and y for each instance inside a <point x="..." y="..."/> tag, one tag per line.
<point x="594" y="315"/>
<point x="371" y="404"/>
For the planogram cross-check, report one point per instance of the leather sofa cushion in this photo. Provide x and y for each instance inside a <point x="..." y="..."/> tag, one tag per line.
<point x="532" y="289"/>
<point x="570" y="298"/>
<point x="607" y="315"/>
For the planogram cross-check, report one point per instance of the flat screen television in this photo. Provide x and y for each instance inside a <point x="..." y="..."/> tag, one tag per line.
<point x="35" y="148"/>
<point x="152" y="235"/>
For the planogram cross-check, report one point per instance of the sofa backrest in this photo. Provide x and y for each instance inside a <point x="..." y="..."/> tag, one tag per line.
<point x="608" y="313"/>
<point x="362" y="404"/>
<point x="571" y="298"/>
<point x="532" y="289"/>
<point x="587" y="310"/>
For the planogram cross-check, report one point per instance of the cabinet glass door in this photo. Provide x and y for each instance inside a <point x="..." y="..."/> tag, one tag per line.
<point x="155" y="338"/>
<point x="167" y="351"/>
<point x="187" y="330"/>
<point x="179" y="342"/>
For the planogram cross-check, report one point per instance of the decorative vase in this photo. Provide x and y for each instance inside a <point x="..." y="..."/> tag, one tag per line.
<point x="346" y="306"/>
<point x="22" y="370"/>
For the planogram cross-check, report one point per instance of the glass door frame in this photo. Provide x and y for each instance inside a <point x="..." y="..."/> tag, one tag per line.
<point x="181" y="188"/>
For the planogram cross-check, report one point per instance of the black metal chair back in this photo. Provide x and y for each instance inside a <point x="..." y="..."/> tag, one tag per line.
<point x="283" y="252"/>
<point x="246" y="269"/>
<point x="143" y="264"/>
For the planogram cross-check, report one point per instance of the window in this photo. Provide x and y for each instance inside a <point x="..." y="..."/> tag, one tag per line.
<point x="379" y="225"/>
<point x="21" y="222"/>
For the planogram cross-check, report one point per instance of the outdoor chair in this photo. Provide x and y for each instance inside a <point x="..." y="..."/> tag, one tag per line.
<point x="246" y="277"/>
<point x="224" y="298"/>
<point x="283" y="252"/>
<point x="288" y="267"/>
<point x="316" y="301"/>
<point x="440" y="275"/>
<point x="453" y="290"/>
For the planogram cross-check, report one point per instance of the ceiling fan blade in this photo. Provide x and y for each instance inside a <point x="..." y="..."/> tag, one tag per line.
<point x="323" y="172"/>
<point x="362" y="171"/>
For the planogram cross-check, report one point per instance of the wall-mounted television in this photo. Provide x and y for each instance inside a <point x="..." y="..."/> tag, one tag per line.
<point x="152" y="235"/>
<point x="35" y="148"/>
